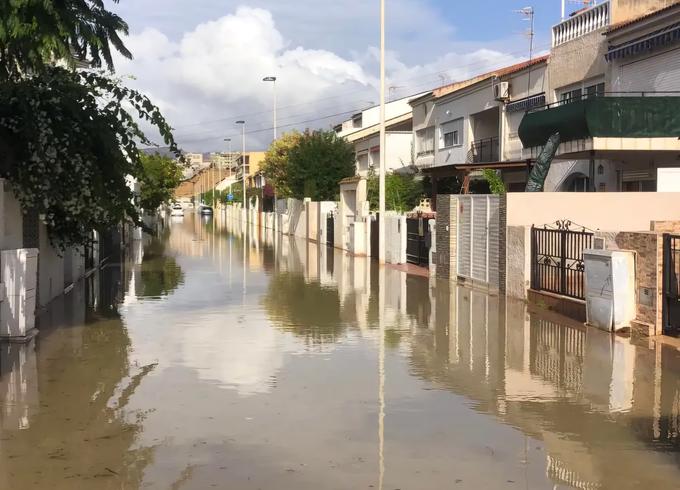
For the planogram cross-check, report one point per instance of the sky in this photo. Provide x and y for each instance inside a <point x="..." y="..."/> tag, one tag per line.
<point x="202" y="62"/>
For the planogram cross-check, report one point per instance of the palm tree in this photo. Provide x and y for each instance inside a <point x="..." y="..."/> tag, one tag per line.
<point x="36" y="33"/>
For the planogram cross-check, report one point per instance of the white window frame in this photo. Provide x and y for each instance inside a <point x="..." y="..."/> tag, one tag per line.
<point x="423" y="136"/>
<point x="455" y="127"/>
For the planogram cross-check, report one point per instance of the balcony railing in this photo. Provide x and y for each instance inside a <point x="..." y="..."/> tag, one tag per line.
<point x="581" y="24"/>
<point x="621" y="116"/>
<point x="484" y="150"/>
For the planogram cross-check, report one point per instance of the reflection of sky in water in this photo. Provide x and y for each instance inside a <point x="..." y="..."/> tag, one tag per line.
<point x="280" y="387"/>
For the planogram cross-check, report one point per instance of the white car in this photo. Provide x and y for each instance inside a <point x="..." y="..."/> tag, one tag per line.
<point x="177" y="210"/>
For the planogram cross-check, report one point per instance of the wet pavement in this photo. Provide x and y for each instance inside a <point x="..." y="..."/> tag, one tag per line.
<point x="210" y="359"/>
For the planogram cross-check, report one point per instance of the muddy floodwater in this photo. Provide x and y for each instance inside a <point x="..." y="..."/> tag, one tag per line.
<point x="213" y="357"/>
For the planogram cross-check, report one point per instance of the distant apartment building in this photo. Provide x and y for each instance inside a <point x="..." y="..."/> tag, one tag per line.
<point x="363" y="131"/>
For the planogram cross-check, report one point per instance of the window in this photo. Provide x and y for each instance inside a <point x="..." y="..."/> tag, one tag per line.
<point x="596" y="90"/>
<point x="450" y="134"/>
<point x="582" y="91"/>
<point x="425" y="141"/>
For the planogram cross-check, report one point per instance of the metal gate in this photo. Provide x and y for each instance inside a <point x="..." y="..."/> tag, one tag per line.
<point x="478" y="239"/>
<point x="330" y="230"/>
<point x="417" y="242"/>
<point x="671" y="284"/>
<point x="375" y="236"/>
<point x="557" y="259"/>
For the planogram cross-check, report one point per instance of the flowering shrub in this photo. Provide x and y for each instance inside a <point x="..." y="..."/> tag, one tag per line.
<point x="68" y="142"/>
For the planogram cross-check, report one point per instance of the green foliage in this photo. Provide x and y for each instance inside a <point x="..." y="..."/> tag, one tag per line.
<point x="402" y="192"/>
<point x="36" y="33"/>
<point x="315" y="166"/>
<point x="494" y="180"/>
<point x="69" y="141"/>
<point x="160" y="178"/>
<point x="275" y="164"/>
<point x="68" y="144"/>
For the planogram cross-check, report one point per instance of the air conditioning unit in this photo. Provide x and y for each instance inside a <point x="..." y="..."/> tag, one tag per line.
<point x="501" y="91"/>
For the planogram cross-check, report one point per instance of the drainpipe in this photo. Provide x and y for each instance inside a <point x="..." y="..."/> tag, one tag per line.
<point x="501" y="130"/>
<point x="591" y="171"/>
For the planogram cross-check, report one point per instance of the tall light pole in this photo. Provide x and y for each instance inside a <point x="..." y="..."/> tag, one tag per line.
<point x="381" y="179"/>
<point x="273" y="80"/>
<point x="243" y="164"/>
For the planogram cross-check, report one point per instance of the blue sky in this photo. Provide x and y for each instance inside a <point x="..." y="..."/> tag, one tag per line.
<point x="203" y="60"/>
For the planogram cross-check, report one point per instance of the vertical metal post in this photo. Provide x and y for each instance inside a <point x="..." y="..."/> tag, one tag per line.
<point x="563" y="261"/>
<point x="381" y="179"/>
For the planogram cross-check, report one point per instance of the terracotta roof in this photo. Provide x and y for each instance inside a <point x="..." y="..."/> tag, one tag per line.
<point x="635" y="20"/>
<point x="508" y="70"/>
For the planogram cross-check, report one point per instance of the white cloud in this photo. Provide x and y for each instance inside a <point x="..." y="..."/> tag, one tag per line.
<point x="213" y="73"/>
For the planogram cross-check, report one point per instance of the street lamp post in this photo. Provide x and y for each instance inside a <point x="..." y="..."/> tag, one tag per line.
<point x="243" y="164"/>
<point x="273" y="80"/>
<point x="381" y="177"/>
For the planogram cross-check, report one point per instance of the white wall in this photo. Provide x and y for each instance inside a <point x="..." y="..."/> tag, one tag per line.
<point x="456" y="106"/>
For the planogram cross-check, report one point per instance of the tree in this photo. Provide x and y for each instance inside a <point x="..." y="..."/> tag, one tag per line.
<point x="36" y="33"/>
<point x="161" y="177"/>
<point x="69" y="140"/>
<point x="317" y="164"/>
<point x="496" y="184"/>
<point x="402" y="191"/>
<point x="275" y="164"/>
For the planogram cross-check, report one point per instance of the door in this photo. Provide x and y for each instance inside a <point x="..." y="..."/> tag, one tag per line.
<point x="671" y="284"/>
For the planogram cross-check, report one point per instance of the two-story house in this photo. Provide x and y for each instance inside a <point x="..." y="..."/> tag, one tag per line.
<point x="363" y="131"/>
<point x="462" y="128"/>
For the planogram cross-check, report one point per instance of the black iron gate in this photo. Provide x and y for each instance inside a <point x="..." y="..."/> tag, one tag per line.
<point x="330" y="230"/>
<point x="417" y="242"/>
<point x="375" y="236"/>
<point x="557" y="259"/>
<point x="671" y="284"/>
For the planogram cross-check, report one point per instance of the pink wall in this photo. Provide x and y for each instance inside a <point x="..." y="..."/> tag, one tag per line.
<point x="604" y="211"/>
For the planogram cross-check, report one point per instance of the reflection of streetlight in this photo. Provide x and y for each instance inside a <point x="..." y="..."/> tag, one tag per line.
<point x="243" y="165"/>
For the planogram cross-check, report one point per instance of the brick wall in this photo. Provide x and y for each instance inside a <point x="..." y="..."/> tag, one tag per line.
<point x="649" y="274"/>
<point x="443" y="236"/>
<point x="666" y="226"/>
<point x="502" y="242"/>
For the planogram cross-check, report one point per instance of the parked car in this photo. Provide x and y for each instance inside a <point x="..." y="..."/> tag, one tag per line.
<point x="206" y="210"/>
<point x="177" y="210"/>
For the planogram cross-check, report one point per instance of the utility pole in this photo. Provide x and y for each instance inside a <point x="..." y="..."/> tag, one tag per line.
<point x="243" y="166"/>
<point x="381" y="178"/>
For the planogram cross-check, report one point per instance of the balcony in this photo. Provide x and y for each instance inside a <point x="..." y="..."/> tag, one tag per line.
<point x="580" y="24"/>
<point x="484" y="151"/>
<point x="607" y="123"/>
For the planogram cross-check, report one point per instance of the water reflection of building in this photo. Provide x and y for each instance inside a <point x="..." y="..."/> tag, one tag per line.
<point x="64" y="395"/>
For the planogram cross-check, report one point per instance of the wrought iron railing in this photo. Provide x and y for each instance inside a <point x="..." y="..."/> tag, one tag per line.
<point x="485" y="150"/>
<point x="557" y="264"/>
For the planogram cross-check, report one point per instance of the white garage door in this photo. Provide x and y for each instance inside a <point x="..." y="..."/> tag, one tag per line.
<point x="658" y="73"/>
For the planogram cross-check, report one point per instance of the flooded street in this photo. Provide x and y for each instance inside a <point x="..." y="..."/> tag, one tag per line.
<point x="210" y="360"/>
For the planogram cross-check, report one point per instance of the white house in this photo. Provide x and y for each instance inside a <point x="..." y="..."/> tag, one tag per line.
<point x="467" y="126"/>
<point x="363" y="131"/>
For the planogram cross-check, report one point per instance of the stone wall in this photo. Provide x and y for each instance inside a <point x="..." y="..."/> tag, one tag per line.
<point x="444" y="234"/>
<point x="648" y="249"/>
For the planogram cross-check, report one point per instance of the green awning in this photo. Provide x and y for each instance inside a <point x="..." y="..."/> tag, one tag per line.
<point x="604" y="117"/>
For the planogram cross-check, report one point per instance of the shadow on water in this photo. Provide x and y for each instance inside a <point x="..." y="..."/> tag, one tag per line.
<point x="63" y="422"/>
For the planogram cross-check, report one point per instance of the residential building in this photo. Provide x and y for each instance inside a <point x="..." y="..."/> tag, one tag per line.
<point x="363" y="131"/>
<point x="607" y="63"/>
<point x="464" y="127"/>
<point x="253" y="161"/>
